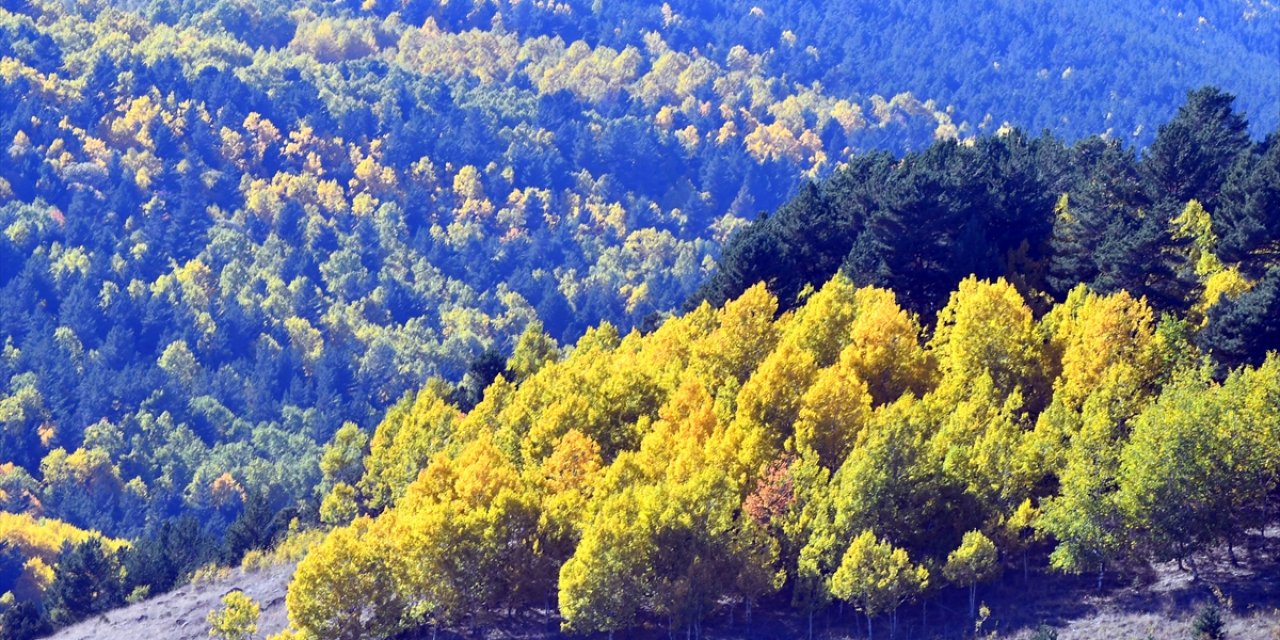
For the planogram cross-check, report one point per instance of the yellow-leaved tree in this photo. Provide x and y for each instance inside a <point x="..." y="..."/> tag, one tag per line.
<point x="877" y="578"/>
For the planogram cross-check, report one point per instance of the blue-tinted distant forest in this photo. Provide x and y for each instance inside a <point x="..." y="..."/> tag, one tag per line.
<point x="227" y="228"/>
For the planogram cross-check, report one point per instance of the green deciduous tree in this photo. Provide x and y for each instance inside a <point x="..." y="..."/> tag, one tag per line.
<point x="976" y="560"/>
<point x="237" y="619"/>
<point x="876" y="577"/>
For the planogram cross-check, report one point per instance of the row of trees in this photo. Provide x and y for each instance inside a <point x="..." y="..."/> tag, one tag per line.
<point x="1192" y="225"/>
<point x="830" y="453"/>
<point x="1074" y="67"/>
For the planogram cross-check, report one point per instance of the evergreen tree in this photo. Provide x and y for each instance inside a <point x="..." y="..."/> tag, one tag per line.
<point x="86" y="581"/>
<point x="1243" y="330"/>
<point x="24" y="621"/>
<point x="1192" y="153"/>
<point x="1248" y="217"/>
<point x="252" y="530"/>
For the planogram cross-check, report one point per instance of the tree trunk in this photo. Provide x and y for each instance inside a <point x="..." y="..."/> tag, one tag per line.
<point x="973" y="601"/>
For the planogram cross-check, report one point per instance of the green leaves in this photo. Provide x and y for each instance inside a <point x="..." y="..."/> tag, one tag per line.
<point x="706" y="490"/>
<point x="876" y="577"/>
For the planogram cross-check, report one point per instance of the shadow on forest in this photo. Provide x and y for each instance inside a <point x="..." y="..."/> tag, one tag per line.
<point x="1018" y="603"/>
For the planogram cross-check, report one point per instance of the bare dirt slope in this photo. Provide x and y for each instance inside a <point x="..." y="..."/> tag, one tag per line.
<point x="180" y="614"/>
<point x="1157" y="603"/>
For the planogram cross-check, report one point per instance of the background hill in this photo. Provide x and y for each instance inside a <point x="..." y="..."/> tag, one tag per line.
<point x="228" y="228"/>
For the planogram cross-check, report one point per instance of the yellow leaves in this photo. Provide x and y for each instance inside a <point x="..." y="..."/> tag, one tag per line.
<point x="473" y="212"/>
<point x="875" y="576"/>
<point x="980" y="444"/>
<point x="83" y="469"/>
<point x="50" y="86"/>
<point x="636" y="296"/>
<point x="674" y="449"/>
<point x="596" y="74"/>
<point x="744" y="337"/>
<point x="339" y="506"/>
<point x="261" y="200"/>
<point x="40" y="541"/>
<point x="832" y="414"/>
<point x="573" y="464"/>
<point x="727" y="132"/>
<point x="884" y="347"/>
<point x="489" y="56"/>
<point x="305" y="338"/>
<point x="987" y="328"/>
<point x="234" y="148"/>
<point x="68" y="262"/>
<point x="848" y="115"/>
<point x="48" y="434"/>
<point x="566" y="481"/>
<point x="178" y="361"/>
<point x="975" y="560"/>
<point x="1228" y="283"/>
<point x="237" y="619"/>
<point x="773" y="142"/>
<point x="331" y="197"/>
<point x="344" y="588"/>
<point x="408" y="437"/>
<point x="35" y="579"/>
<point x="374" y="177"/>
<point x="465" y="535"/>
<point x="335" y="40"/>
<point x="1194" y="224"/>
<point x="483" y="473"/>
<point x="771" y="396"/>
<point x="133" y="126"/>
<point x="262" y="135"/>
<point x="1093" y="334"/>
<point x="608" y="218"/>
<point x="146" y="167"/>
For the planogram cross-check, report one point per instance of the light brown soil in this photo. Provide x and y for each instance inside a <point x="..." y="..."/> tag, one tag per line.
<point x="1158" y="603"/>
<point x="180" y="614"/>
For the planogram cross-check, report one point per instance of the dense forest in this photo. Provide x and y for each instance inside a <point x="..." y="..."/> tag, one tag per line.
<point x="1191" y="225"/>
<point x="1104" y="393"/>
<point x="838" y="452"/>
<point x="237" y="237"/>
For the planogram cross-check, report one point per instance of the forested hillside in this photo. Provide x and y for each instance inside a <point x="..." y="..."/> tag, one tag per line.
<point x="229" y="228"/>
<point x="830" y="453"/>
<point x="1191" y="223"/>
<point x="1082" y="408"/>
<point x="236" y="236"/>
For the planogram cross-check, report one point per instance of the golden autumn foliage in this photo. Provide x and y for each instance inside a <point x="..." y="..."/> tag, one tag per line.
<point x="40" y="541"/>
<point x="733" y="451"/>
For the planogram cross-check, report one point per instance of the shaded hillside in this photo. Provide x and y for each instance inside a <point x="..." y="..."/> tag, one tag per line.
<point x="1161" y="604"/>
<point x="180" y="614"/>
